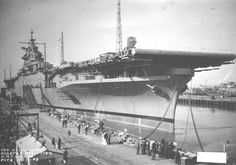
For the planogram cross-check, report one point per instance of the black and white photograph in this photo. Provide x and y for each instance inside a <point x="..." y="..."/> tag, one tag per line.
<point x="117" y="82"/>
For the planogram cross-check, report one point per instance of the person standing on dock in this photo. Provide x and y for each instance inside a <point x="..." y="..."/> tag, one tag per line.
<point x="63" y="123"/>
<point x="106" y="137"/>
<point x="53" y="142"/>
<point x="143" y="146"/>
<point x="154" y="150"/>
<point x="172" y="148"/>
<point x="66" y="121"/>
<point x="138" y="147"/>
<point x="65" y="156"/>
<point x="166" y="150"/>
<point x="59" y="143"/>
<point x="148" y="148"/>
<point x="178" y="157"/>
<point x="109" y="138"/>
<point x="162" y="148"/>
<point x="78" y="127"/>
<point x="69" y="133"/>
<point x="86" y="129"/>
<point x="101" y="125"/>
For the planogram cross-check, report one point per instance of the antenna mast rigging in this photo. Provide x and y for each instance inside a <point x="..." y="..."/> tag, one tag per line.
<point x="32" y="42"/>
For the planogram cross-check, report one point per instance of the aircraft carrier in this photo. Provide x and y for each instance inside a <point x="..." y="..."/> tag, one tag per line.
<point x="133" y="86"/>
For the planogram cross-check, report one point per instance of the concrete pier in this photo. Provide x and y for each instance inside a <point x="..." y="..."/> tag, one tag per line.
<point x="89" y="150"/>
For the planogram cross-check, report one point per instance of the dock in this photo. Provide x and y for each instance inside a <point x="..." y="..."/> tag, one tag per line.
<point x="208" y="102"/>
<point x="89" y="149"/>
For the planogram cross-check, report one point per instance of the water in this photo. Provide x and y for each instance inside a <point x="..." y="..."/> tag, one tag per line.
<point x="214" y="127"/>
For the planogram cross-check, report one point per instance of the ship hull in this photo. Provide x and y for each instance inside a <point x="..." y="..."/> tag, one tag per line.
<point x="130" y="102"/>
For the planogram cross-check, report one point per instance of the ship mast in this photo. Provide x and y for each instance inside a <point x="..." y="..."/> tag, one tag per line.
<point x="32" y="38"/>
<point x="62" y="49"/>
<point x="44" y="54"/>
<point x="118" y="31"/>
<point x="5" y="77"/>
<point x="10" y="71"/>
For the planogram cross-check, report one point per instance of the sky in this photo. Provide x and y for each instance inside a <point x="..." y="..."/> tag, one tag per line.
<point x="89" y="28"/>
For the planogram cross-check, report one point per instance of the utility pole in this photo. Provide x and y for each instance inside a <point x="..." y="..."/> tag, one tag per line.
<point x="62" y="49"/>
<point x="118" y="30"/>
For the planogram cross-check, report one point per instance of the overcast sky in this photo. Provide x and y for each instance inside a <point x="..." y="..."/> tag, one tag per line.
<point x="89" y="28"/>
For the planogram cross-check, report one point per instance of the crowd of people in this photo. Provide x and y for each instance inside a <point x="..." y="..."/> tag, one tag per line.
<point x="152" y="148"/>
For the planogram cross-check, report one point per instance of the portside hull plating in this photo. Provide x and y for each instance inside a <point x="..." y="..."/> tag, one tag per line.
<point x="131" y="98"/>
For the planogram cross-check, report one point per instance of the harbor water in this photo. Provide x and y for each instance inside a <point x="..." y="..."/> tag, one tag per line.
<point x="214" y="127"/>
